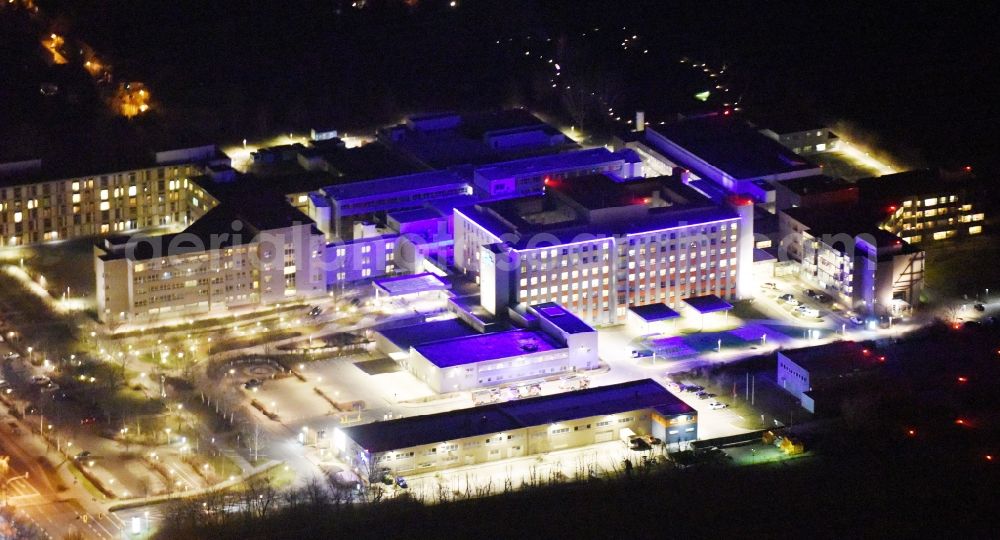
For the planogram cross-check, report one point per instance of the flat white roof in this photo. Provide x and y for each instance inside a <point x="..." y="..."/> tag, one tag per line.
<point x="417" y="283"/>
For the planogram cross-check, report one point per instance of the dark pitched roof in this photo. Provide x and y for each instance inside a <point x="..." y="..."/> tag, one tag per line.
<point x="224" y="226"/>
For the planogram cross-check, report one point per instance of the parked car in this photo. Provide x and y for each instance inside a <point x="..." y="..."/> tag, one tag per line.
<point x="769" y="285"/>
<point x="315" y="311"/>
<point x="40" y="380"/>
<point x="11" y="356"/>
<point x="716" y="405"/>
<point x="789" y="299"/>
<point x="253" y="384"/>
<point x="811" y="293"/>
<point x="824" y="298"/>
<point x="979" y="307"/>
<point x="807" y="311"/>
<point x="857" y="321"/>
<point x="83" y="455"/>
<point x="641" y="353"/>
<point x="401" y="482"/>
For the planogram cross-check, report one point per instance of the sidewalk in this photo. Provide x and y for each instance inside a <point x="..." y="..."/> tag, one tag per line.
<point x="146" y="501"/>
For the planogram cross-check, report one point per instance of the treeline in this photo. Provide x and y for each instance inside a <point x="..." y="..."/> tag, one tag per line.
<point x="876" y="494"/>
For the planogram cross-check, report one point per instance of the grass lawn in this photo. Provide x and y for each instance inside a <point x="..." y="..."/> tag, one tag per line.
<point x="962" y="266"/>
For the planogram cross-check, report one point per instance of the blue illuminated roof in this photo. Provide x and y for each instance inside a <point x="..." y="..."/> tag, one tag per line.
<point x="654" y="312"/>
<point x="483" y="347"/>
<point x="496" y="418"/>
<point x="561" y="318"/>
<point x="405" y="337"/>
<point x="419" y="214"/>
<point x="708" y="303"/>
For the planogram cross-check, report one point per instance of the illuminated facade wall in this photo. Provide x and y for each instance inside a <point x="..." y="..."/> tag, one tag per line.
<point x="146" y="198"/>
<point x="519" y="442"/>
<point x="925" y="218"/>
<point x="599" y="279"/>
<point x="285" y="266"/>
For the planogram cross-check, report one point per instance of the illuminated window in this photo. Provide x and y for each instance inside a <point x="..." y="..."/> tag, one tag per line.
<point x="105" y="205"/>
<point x="132" y="191"/>
<point x="104" y="194"/>
<point x="17" y="217"/>
<point x="930" y="202"/>
<point x="975" y="229"/>
<point x="76" y="186"/>
<point x="76" y="197"/>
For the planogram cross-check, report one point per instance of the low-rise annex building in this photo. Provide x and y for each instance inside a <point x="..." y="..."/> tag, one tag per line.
<point x="515" y="429"/>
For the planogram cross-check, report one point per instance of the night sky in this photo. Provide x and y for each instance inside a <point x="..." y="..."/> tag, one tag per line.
<point x="914" y="74"/>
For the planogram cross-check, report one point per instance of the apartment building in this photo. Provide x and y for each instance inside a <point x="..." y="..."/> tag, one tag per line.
<point x="598" y="246"/>
<point x="866" y="268"/>
<point x="925" y="205"/>
<point x="226" y="259"/>
<point x="42" y="203"/>
<point x="515" y="429"/>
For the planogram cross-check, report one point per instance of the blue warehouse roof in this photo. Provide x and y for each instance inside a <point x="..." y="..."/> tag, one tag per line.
<point x="446" y="426"/>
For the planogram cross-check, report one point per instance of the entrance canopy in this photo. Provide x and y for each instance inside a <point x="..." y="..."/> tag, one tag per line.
<point x="708" y="304"/>
<point x="651" y="313"/>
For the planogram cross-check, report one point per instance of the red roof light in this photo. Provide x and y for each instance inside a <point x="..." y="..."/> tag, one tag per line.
<point x="963" y="379"/>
